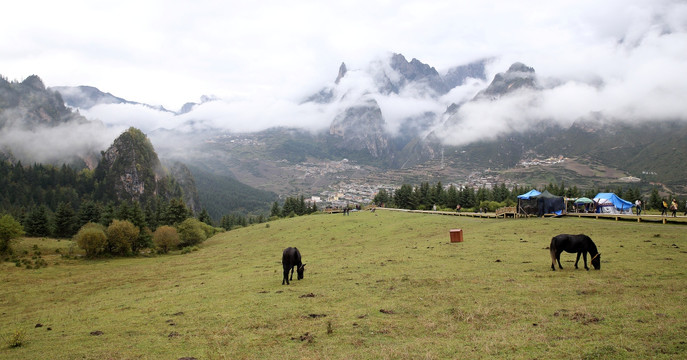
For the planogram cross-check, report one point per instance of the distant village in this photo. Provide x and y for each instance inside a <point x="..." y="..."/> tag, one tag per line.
<point x="545" y="162"/>
<point x="358" y="192"/>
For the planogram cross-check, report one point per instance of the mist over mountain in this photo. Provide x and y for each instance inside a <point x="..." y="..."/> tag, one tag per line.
<point x="396" y="114"/>
<point x="36" y="126"/>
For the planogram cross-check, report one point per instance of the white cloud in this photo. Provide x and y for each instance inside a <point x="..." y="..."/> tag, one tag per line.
<point x="625" y="58"/>
<point x="58" y="144"/>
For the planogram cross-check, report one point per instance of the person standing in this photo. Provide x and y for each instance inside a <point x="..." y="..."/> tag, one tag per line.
<point x="638" y="204"/>
<point x="664" y="208"/>
<point x="673" y="207"/>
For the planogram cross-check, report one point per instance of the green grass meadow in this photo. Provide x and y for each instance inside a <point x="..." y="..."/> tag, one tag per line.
<point x="384" y="285"/>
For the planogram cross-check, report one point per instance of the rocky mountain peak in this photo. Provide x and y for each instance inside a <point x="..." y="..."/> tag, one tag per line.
<point x="520" y="67"/>
<point x="361" y="127"/>
<point x="417" y="71"/>
<point x="342" y="72"/>
<point x="131" y="170"/>
<point x="34" y="82"/>
<point x="517" y="77"/>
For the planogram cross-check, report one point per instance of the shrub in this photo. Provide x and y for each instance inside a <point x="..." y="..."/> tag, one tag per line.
<point x="121" y="234"/>
<point x="191" y="232"/>
<point x="9" y="229"/>
<point x="92" y="239"/>
<point x="16" y="339"/>
<point x="209" y="230"/>
<point x="166" y="238"/>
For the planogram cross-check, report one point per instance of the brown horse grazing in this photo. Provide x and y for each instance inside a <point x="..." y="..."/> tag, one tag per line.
<point x="580" y="244"/>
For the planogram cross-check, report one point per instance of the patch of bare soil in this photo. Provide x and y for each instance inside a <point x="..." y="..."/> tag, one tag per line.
<point x="581" y="317"/>
<point x="305" y="337"/>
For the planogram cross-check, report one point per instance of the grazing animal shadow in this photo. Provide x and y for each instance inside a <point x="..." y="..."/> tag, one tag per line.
<point x="580" y="244"/>
<point x="292" y="258"/>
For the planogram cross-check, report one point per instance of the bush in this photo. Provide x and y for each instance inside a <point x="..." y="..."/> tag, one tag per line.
<point x="121" y="234"/>
<point x="9" y="229"/>
<point x="166" y="238"/>
<point x="16" y="339"/>
<point x="210" y="230"/>
<point x="92" y="239"/>
<point x="191" y="232"/>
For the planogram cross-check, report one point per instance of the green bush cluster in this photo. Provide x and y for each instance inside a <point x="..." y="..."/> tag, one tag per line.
<point x="122" y="237"/>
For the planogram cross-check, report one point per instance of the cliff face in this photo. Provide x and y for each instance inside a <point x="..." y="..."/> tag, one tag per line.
<point x="29" y="104"/>
<point x="518" y="76"/>
<point x="361" y="128"/>
<point x="131" y="170"/>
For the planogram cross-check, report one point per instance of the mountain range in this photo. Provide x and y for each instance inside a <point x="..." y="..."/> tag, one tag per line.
<point x="404" y="121"/>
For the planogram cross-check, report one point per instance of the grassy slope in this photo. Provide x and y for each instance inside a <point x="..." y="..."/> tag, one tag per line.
<point x="490" y="296"/>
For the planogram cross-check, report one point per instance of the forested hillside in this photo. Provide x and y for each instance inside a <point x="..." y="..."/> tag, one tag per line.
<point x="220" y="193"/>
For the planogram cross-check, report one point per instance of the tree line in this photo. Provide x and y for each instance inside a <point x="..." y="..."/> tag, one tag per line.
<point x="293" y="206"/>
<point x="57" y="201"/>
<point x="426" y="196"/>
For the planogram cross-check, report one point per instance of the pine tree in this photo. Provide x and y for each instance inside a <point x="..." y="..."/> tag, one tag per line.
<point x="177" y="211"/>
<point x="37" y="222"/>
<point x="64" y="221"/>
<point x="275" y="211"/>
<point x="88" y="212"/>
<point x="124" y="211"/>
<point x="108" y="215"/>
<point x="204" y="216"/>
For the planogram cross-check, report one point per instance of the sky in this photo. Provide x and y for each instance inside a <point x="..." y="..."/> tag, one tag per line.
<point x="623" y="57"/>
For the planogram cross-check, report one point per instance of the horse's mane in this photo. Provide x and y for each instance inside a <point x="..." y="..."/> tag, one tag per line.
<point x="592" y="246"/>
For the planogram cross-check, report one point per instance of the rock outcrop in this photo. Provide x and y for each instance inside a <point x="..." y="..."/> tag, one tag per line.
<point x="131" y="170"/>
<point x="361" y="127"/>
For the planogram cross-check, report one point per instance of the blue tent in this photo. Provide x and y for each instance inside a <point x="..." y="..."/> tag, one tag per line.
<point x="610" y="203"/>
<point x="530" y="194"/>
<point x="528" y="203"/>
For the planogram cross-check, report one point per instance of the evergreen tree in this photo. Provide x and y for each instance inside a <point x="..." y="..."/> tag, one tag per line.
<point x="108" y="215"/>
<point x="655" y="201"/>
<point x="204" y="216"/>
<point x="275" y="211"/>
<point x="451" y="197"/>
<point x="402" y="196"/>
<point x="423" y="197"/>
<point x="136" y="215"/>
<point x="382" y="198"/>
<point x="177" y="212"/>
<point x="64" y="221"/>
<point x="302" y="209"/>
<point x="37" y="222"/>
<point x="151" y="215"/>
<point x="438" y="195"/>
<point x="124" y="211"/>
<point x="88" y="212"/>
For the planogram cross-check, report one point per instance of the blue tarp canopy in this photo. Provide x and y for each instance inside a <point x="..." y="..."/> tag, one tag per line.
<point x="530" y="194"/>
<point x="611" y="203"/>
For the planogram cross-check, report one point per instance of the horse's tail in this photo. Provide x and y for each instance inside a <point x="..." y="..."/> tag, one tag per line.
<point x="552" y="250"/>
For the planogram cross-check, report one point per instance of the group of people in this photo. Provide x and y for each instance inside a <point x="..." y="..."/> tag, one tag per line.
<point x="673" y="208"/>
<point x="664" y="207"/>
